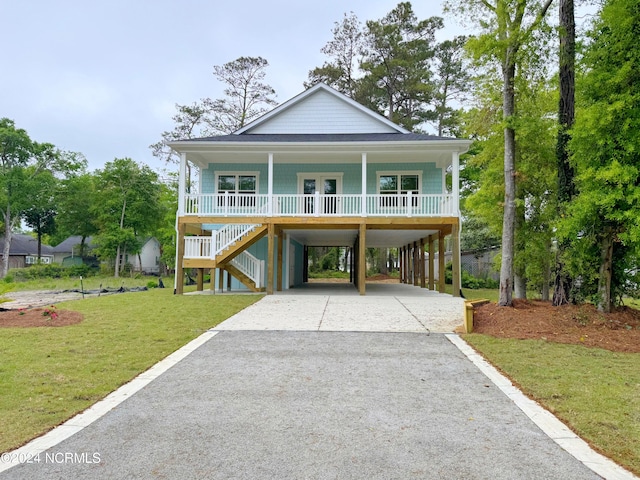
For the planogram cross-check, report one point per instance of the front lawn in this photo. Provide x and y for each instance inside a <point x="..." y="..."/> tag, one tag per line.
<point x="594" y="391"/>
<point x="48" y="374"/>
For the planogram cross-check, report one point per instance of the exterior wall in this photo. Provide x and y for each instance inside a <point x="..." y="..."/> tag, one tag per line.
<point x="322" y="112"/>
<point x="149" y="255"/>
<point x="285" y="178"/>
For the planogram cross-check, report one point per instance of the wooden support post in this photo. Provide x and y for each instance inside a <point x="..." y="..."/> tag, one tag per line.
<point x="423" y="280"/>
<point x="280" y="260"/>
<point x="180" y="259"/>
<point x="305" y="264"/>
<point x="456" y="273"/>
<point x="228" y="281"/>
<point x="221" y="280"/>
<point x="400" y="264"/>
<point x="200" y="280"/>
<point x="270" y="257"/>
<point x="362" y="261"/>
<point x="406" y="264"/>
<point x="441" y="266"/>
<point x="432" y="271"/>
<point x="212" y="279"/>
<point x="416" y="264"/>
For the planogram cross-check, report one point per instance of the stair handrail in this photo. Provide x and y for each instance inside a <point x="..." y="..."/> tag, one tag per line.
<point x="229" y="234"/>
<point x="251" y="266"/>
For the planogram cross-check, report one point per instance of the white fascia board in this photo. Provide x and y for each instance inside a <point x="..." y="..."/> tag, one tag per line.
<point x="460" y="146"/>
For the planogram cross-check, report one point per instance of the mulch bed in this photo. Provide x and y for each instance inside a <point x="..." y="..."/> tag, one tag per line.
<point x="34" y="317"/>
<point x="618" y="331"/>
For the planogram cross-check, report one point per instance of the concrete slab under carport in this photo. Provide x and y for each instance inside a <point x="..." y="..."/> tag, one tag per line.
<point x="338" y="307"/>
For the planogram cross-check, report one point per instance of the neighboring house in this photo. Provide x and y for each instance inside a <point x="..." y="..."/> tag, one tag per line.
<point x="68" y="253"/>
<point x="24" y="251"/>
<point x="148" y="261"/>
<point x="318" y="170"/>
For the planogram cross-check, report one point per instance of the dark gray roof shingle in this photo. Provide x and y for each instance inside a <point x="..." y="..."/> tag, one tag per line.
<point x="321" y="137"/>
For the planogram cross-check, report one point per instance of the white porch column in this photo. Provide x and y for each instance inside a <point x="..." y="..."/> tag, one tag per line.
<point x="455" y="182"/>
<point x="364" y="185"/>
<point x="182" y="183"/>
<point x="270" y="185"/>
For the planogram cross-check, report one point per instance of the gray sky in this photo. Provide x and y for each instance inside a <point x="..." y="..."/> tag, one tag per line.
<point x="102" y="77"/>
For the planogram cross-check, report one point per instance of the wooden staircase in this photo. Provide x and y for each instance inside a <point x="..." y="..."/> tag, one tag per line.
<point x="240" y="245"/>
<point x="244" y="279"/>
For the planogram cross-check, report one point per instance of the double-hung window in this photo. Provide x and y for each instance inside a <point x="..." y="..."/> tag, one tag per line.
<point x="395" y="186"/>
<point x="241" y="189"/>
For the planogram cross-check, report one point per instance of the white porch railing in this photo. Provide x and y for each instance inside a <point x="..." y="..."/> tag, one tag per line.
<point x="250" y="266"/>
<point x="227" y="235"/>
<point x="320" y="205"/>
<point x="197" y="247"/>
<point x="209" y="246"/>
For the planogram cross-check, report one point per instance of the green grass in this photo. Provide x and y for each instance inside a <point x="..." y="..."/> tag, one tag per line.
<point x="89" y="283"/>
<point x="596" y="392"/>
<point x="49" y="374"/>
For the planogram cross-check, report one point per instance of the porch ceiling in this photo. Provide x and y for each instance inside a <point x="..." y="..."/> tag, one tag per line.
<point x="336" y="154"/>
<point x="347" y="237"/>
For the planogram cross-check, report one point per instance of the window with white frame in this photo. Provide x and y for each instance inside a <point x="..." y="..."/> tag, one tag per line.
<point x="241" y="188"/>
<point x="398" y="184"/>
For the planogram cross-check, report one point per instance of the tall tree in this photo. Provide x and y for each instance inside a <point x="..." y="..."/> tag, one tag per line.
<point x="128" y="207"/>
<point x="344" y="52"/>
<point x="41" y="211"/>
<point x="566" y="116"/>
<point x="507" y="26"/>
<point x="604" y="215"/>
<point x="246" y="95"/>
<point x="398" y="80"/>
<point x="452" y="81"/>
<point x="21" y="160"/>
<point x="76" y="201"/>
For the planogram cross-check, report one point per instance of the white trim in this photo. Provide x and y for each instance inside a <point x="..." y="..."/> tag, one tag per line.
<point x="301" y="96"/>
<point x="455" y="181"/>
<point x="399" y="173"/>
<point x="319" y="177"/>
<point x="182" y="183"/>
<point x="364" y="184"/>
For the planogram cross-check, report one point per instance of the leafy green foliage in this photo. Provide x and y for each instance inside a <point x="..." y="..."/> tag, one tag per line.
<point x="604" y="215"/>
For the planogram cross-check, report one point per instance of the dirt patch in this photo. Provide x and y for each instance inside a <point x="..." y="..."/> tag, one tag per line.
<point x="37" y="317"/>
<point x="618" y="331"/>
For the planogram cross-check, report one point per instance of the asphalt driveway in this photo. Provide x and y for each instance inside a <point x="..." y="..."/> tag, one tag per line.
<point x="281" y="403"/>
<point x="292" y="405"/>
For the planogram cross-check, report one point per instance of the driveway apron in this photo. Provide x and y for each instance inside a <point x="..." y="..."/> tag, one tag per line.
<point x="317" y="404"/>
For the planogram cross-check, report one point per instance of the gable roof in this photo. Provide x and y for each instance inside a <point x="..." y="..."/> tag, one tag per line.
<point x="68" y="245"/>
<point x="320" y="110"/>
<point x="25" y="245"/>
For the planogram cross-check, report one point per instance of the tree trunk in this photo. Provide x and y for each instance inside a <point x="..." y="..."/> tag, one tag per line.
<point x="546" y="275"/>
<point x="606" y="268"/>
<point x="7" y="241"/>
<point x="509" y="216"/>
<point x="116" y="272"/>
<point x="566" y="114"/>
<point x="520" y="284"/>
<point x="382" y="261"/>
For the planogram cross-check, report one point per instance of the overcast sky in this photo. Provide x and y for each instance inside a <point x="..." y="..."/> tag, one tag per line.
<point x="102" y="77"/>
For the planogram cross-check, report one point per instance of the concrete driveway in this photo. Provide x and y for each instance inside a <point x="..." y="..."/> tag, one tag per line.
<point x="252" y="403"/>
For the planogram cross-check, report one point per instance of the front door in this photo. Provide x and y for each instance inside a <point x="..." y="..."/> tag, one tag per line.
<point x="328" y="189"/>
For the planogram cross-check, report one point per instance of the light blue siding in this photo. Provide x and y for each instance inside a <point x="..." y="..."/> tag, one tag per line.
<point x="285" y="175"/>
